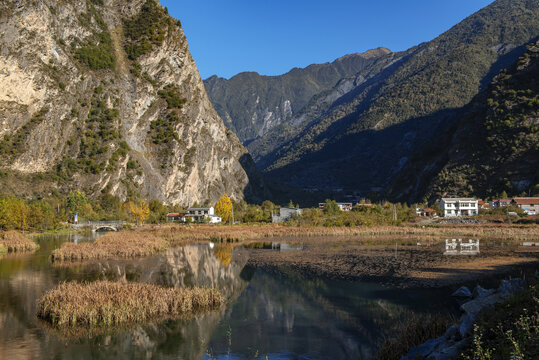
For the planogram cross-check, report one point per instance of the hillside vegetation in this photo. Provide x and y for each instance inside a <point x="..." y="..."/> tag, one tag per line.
<point x="494" y="148"/>
<point x="368" y="135"/>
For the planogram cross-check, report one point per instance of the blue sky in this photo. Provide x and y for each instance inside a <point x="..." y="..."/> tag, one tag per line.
<point x="273" y="36"/>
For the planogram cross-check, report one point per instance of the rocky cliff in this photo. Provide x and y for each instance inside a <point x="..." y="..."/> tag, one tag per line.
<point x="104" y="96"/>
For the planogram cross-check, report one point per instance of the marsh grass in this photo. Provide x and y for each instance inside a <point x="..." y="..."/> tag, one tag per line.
<point x="150" y="241"/>
<point x="124" y="244"/>
<point x="13" y="241"/>
<point x="108" y="304"/>
<point x="414" y="332"/>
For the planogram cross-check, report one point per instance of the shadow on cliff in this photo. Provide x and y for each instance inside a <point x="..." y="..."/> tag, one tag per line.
<point x="255" y="191"/>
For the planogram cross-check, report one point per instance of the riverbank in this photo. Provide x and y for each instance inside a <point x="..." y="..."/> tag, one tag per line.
<point x="406" y="267"/>
<point x="402" y="255"/>
<point x="105" y="303"/>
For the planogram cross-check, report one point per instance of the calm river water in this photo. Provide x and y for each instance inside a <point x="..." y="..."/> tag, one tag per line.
<point x="285" y="316"/>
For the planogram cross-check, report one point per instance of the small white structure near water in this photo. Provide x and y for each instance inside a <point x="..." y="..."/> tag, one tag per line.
<point x="285" y="213"/>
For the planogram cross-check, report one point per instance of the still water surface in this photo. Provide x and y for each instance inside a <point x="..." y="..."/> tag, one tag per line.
<point x="281" y="316"/>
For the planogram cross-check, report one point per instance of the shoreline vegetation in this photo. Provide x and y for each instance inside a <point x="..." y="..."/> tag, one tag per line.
<point x="103" y="304"/>
<point x="152" y="240"/>
<point x="15" y="242"/>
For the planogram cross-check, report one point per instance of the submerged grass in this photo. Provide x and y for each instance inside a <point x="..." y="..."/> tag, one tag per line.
<point x="413" y="333"/>
<point x="12" y="241"/>
<point x="124" y="244"/>
<point x="106" y="304"/>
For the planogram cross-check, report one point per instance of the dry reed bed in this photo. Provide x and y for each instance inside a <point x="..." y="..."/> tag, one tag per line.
<point x="105" y="303"/>
<point x="12" y="241"/>
<point x="150" y="241"/>
<point x="124" y="244"/>
<point x="226" y="233"/>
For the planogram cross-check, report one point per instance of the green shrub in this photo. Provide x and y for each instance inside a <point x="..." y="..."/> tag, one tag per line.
<point x="146" y="30"/>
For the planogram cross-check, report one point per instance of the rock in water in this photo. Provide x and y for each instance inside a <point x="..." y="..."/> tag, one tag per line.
<point x="463" y="291"/>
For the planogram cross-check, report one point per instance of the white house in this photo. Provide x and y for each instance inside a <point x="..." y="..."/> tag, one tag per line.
<point x="285" y="213"/>
<point x="459" y="206"/>
<point x="200" y="213"/>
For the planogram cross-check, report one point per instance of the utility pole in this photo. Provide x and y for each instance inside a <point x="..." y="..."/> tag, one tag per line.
<point x="394" y="212"/>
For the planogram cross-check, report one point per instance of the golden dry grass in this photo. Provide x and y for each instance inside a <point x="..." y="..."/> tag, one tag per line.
<point x="13" y="241"/>
<point x="155" y="239"/>
<point x="225" y="233"/>
<point x="124" y="244"/>
<point x="105" y="303"/>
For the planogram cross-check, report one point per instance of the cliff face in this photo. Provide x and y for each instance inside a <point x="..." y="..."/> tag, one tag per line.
<point x="103" y="95"/>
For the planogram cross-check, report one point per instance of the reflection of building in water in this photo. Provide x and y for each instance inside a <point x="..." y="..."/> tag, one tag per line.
<point x="459" y="247"/>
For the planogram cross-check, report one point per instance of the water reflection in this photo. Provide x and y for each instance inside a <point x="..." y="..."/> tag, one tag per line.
<point x="283" y="315"/>
<point x="290" y="316"/>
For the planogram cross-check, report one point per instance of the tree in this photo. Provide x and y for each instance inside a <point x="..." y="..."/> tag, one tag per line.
<point x="140" y="211"/>
<point x="223" y="208"/>
<point x="13" y="213"/>
<point x="331" y="207"/>
<point x="77" y="203"/>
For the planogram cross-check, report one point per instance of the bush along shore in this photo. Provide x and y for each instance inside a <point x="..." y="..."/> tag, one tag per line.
<point x="103" y="304"/>
<point x="464" y="337"/>
<point x="12" y="241"/>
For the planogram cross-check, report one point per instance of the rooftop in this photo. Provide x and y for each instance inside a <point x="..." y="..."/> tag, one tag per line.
<point x="458" y="199"/>
<point x="526" y="200"/>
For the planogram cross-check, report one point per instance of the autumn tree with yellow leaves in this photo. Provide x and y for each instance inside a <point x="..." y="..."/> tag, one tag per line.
<point x="223" y="208"/>
<point x="140" y="211"/>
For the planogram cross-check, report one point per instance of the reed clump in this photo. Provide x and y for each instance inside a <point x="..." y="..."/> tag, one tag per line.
<point x="12" y="241"/>
<point x="106" y="303"/>
<point x="124" y="244"/>
<point x="413" y="333"/>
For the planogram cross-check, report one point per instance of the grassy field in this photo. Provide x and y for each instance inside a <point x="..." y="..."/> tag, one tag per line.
<point x="105" y="303"/>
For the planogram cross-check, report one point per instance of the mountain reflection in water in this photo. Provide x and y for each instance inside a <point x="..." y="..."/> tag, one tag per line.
<point x="284" y="315"/>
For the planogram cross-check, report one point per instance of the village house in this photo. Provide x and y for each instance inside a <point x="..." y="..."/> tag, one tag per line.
<point x="483" y="205"/>
<point x="200" y="214"/>
<point x="459" y="207"/>
<point x="176" y="217"/>
<point x="500" y="203"/>
<point x="530" y="205"/>
<point x="285" y="213"/>
<point x="428" y="212"/>
<point x="343" y="206"/>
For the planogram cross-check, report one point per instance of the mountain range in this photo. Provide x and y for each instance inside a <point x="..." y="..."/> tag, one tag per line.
<point x="360" y="134"/>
